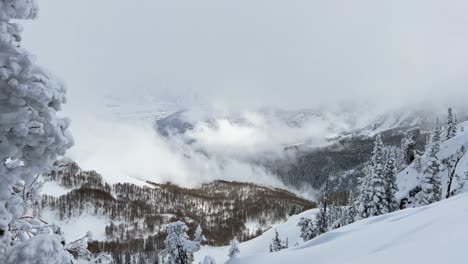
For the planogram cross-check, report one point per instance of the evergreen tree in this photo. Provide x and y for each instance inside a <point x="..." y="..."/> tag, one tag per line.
<point x="199" y="237"/>
<point x="434" y="146"/>
<point x="307" y="228"/>
<point x="431" y="187"/>
<point x="351" y="212"/>
<point x="364" y="195"/>
<point x="408" y="147"/>
<point x="179" y="248"/>
<point x="209" y="260"/>
<point x="418" y="166"/>
<point x="391" y="187"/>
<point x="277" y="244"/>
<point x="451" y="125"/>
<point x="321" y="222"/>
<point x="373" y="198"/>
<point x="321" y="219"/>
<point x="234" y="249"/>
<point x="32" y="136"/>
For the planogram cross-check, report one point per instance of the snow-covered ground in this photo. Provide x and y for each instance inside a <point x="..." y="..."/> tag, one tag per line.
<point x="430" y="234"/>
<point x="53" y="189"/>
<point x="76" y="228"/>
<point x="260" y="244"/>
<point x="410" y="178"/>
<point x="433" y="234"/>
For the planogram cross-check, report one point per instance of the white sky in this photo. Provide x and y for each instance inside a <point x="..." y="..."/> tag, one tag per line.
<point x="244" y="53"/>
<point x="239" y="54"/>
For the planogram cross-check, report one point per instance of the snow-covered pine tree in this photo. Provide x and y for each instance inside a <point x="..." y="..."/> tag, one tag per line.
<point x="321" y="222"/>
<point x="418" y="166"/>
<point x="199" y="237"/>
<point x="234" y="248"/>
<point x="337" y="216"/>
<point x="373" y="199"/>
<point x="431" y="186"/>
<point x="179" y="248"/>
<point x="451" y="124"/>
<point x="364" y="195"/>
<point x="436" y="138"/>
<point x="209" y="260"/>
<point x="351" y="212"/>
<point x="277" y="244"/>
<point x="408" y="147"/>
<point x="307" y="228"/>
<point x="391" y="187"/>
<point x="321" y="219"/>
<point x="31" y="138"/>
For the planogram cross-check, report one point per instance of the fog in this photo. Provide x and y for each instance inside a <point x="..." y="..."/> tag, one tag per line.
<point x="238" y="56"/>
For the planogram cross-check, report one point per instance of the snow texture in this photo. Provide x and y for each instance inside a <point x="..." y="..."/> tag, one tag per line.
<point x="415" y="235"/>
<point x="32" y="136"/>
<point x="40" y="249"/>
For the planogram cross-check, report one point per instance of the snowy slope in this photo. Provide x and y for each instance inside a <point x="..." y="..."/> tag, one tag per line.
<point x="410" y="178"/>
<point x="260" y="244"/>
<point x="408" y="236"/>
<point x="431" y="234"/>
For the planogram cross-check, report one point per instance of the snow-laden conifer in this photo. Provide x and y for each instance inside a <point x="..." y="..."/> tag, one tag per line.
<point x="277" y="244"/>
<point x="373" y="195"/>
<point x="451" y="124"/>
<point x="234" y="248"/>
<point x="390" y="184"/>
<point x="32" y="136"/>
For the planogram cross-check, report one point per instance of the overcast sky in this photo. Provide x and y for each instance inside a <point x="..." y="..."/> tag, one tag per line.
<point x="244" y="53"/>
<point x="239" y="54"/>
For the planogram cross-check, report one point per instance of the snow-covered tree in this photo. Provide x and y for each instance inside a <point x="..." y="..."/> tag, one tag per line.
<point x="336" y="216"/>
<point x="373" y="197"/>
<point x="321" y="221"/>
<point x="408" y="147"/>
<point x="390" y="184"/>
<point x="436" y="138"/>
<point x="307" y="228"/>
<point x="199" y="237"/>
<point x="179" y="248"/>
<point x="32" y="136"/>
<point x="209" y="260"/>
<point x="234" y="248"/>
<point x="277" y="244"/>
<point x="431" y="187"/>
<point x="418" y="166"/>
<point x="351" y="212"/>
<point x="451" y="164"/>
<point x="451" y="124"/>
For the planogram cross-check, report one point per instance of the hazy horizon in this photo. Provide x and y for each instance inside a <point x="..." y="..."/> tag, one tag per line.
<point x="238" y="57"/>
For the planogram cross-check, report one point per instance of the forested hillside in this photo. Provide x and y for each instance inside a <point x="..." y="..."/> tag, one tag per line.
<point x="136" y="216"/>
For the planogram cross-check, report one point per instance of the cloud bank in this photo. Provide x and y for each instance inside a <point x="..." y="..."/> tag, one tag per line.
<point x="237" y="56"/>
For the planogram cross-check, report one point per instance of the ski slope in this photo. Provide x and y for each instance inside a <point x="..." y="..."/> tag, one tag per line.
<point x="433" y="234"/>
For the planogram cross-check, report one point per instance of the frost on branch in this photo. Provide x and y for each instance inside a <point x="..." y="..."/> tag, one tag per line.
<point x="32" y="136"/>
<point x="38" y="250"/>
